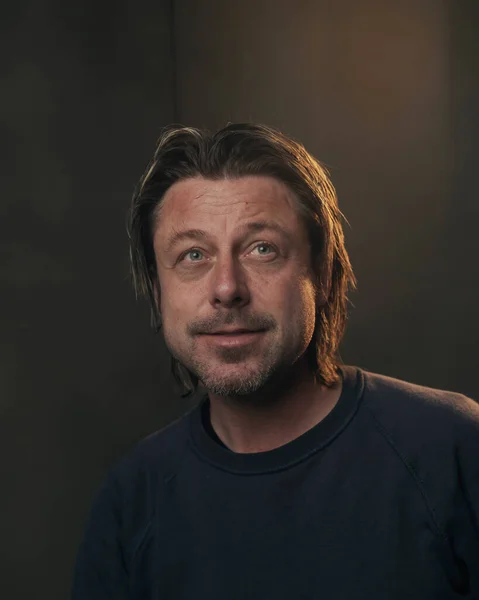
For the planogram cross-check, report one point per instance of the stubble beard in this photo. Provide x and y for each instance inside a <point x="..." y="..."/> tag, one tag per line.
<point x="241" y="372"/>
<point x="235" y="372"/>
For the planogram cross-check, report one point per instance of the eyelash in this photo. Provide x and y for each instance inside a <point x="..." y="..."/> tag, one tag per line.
<point x="184" y="254"/>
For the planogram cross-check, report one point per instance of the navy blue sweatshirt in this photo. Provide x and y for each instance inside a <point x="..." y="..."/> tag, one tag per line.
<point x="380" y="500"/>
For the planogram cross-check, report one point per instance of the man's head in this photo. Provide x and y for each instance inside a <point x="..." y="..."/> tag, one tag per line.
<point x="240" y="230"/>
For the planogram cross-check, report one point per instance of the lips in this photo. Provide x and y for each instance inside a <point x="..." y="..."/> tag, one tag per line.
<point x="234" y="338"/>
<point x="233" y="332"/>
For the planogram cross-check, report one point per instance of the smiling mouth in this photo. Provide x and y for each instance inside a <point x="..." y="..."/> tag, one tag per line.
<point x="235" y="332"/>
<point x="233" y="338"/>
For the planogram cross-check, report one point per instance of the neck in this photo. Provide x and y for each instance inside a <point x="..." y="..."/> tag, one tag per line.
<point x="267" y="420"/>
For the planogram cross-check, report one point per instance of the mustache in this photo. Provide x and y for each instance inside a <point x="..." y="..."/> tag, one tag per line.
<point x="252" y="322"/>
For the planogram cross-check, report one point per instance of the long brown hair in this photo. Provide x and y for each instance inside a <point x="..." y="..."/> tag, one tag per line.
<point x="238" y="150"/>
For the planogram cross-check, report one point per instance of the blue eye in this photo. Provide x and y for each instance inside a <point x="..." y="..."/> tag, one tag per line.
<point x="264" y="245"/>
<point x="192" y="253"/>
<point x="196" y="255"/>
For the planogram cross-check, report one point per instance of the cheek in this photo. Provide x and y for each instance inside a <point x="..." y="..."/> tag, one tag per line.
<point x="174" y="312"/>
<point x="308" y="296"/>
<point x="294" y="305"/>
<point x="174" y="303"/>
<point x="300" y="311"/>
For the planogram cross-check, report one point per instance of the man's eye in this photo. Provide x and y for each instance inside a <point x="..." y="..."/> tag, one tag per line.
<point x="264" y="246"/>
<point x="194" y="254"/>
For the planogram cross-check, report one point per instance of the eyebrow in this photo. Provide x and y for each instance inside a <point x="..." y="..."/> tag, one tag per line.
<point x="200" y="234"/>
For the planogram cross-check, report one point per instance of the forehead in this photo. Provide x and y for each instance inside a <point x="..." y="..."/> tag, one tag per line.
<point x="227" y="201"/>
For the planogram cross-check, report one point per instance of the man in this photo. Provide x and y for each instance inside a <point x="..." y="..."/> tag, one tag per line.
<point x="294" y="476"/>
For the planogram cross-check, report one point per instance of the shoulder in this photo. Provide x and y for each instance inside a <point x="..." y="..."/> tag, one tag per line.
<point x="156" y="457"/>
<point x="127" y="500"/>
<point x="419" y="412"/>
<point x="434" y="434"/>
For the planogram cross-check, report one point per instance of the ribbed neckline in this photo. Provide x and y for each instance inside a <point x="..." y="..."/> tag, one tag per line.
<point x="289" y="454"/>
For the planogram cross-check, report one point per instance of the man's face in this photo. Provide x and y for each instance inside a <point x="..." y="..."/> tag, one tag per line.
<point x="233" y="254"/>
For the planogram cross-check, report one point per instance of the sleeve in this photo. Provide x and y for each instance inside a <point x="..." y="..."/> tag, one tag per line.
<point x="466" y="530"/>
<point x="100" y="572"/>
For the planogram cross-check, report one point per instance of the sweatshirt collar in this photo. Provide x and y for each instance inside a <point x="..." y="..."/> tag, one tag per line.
<point x="286" y="456"/>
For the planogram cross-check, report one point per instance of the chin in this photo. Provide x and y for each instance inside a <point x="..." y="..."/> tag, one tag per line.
<point x="235" y="382"/>
<point x="230" y="388"/>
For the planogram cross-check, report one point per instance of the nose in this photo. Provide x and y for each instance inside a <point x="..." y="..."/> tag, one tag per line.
<point x="229" y="287"/>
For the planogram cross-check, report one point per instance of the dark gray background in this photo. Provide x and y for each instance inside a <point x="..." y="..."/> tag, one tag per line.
<point x="385" y="93"/>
